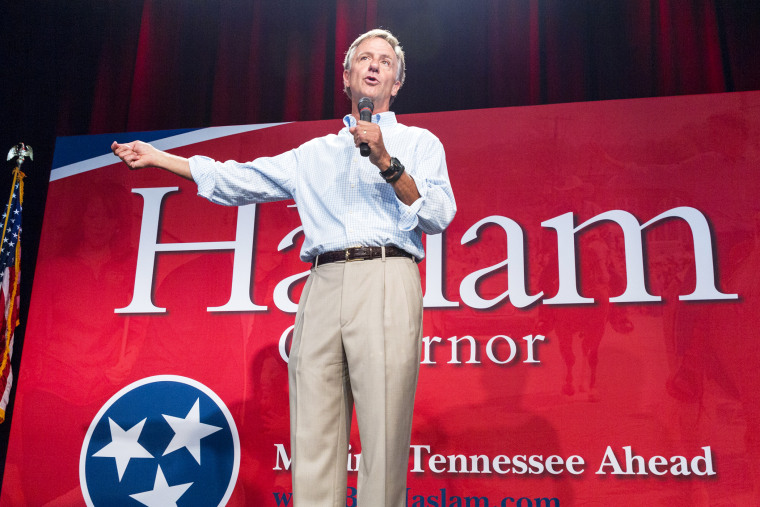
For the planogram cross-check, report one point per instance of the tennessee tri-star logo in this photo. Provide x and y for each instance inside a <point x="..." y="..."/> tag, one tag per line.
<point x="161" y="441"/>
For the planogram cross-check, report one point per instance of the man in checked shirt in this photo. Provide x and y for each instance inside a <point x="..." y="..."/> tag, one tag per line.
<point x="359" y="324"/>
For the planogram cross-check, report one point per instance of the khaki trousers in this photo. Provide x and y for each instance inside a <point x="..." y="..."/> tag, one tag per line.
<point x="356" y="341"/>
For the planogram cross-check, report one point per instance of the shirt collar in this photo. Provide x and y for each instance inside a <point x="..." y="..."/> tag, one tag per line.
<point x="382" y="119"/>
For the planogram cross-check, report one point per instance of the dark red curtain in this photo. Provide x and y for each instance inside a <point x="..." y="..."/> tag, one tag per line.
<point x="117" y="65"/>
<point x="70" y="68"/>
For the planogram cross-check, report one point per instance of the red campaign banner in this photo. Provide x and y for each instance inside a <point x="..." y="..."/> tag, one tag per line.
<point x="590" y="330"/>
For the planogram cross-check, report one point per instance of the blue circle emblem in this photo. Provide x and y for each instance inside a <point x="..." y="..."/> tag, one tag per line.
<point x="164" y="440"/>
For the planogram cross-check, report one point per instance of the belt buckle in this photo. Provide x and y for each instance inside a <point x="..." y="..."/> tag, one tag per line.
<point x="360" y="258"/>
<point x="348" y="255"/>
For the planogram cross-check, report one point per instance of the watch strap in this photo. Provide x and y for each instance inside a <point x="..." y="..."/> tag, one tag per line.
<point x="394" y="172"/>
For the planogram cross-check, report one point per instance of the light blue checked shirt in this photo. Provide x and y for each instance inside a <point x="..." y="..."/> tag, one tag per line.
<point x="341" y="198"/>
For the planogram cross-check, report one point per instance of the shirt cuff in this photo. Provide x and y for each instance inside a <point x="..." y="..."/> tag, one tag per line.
<point x="201" y="169"/>
<point x="408" y="219"/>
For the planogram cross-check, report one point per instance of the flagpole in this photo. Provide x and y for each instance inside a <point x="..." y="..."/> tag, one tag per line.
<point x="13" y="270"/>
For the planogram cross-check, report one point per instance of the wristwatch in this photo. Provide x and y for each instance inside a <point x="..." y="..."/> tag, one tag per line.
<point x="394" y="172"/>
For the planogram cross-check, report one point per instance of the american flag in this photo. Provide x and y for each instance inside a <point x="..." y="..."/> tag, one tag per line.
<point x="10" y="272"/>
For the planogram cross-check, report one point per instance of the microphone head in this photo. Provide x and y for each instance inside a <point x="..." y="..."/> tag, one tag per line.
<point x="366" y="103"/>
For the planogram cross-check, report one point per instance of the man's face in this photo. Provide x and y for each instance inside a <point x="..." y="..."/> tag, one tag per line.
<point x="373" y="73"/>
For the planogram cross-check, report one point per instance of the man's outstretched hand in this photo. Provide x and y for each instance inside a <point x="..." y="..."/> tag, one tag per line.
<point x="138" y="154"/>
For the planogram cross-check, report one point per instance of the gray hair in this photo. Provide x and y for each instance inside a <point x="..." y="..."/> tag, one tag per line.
<point x="387" y="37"/>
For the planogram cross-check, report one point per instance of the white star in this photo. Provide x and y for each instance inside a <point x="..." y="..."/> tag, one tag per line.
<point x="162" y="495"/>
<point x="123" y="446"/>
<point x="188" y="432"/>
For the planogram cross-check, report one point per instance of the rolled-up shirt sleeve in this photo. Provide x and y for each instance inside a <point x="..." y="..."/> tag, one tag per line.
<point x="234" y="183"/>
<point x="436" y="207"/>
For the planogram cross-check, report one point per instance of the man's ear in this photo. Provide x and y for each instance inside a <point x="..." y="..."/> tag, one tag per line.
<point x="396" y="88"/>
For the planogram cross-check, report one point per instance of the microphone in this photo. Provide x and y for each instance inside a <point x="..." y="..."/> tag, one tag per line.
<point x="365" y="114"/>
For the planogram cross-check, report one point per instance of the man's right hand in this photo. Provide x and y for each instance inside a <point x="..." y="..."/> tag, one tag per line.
<point x="138" y="154"/>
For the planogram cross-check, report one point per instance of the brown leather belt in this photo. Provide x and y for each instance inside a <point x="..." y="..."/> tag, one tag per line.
<point x="360" y="253"/>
